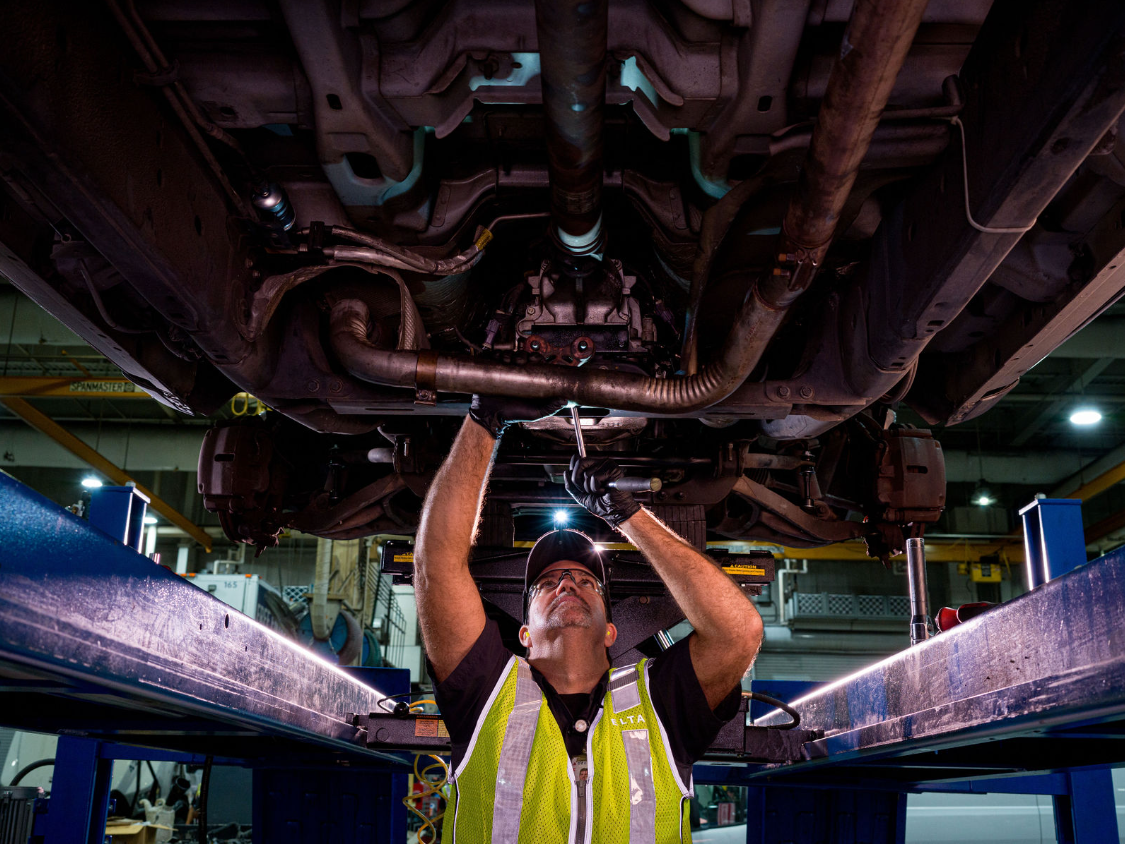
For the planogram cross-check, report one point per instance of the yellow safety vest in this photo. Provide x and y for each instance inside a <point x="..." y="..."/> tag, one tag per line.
<point x="516" y="784"/>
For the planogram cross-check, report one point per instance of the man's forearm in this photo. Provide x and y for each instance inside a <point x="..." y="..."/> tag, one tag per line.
<point x="712" y="602"/>
<point x="450" y="612"/>
<point x="453" y="502"/>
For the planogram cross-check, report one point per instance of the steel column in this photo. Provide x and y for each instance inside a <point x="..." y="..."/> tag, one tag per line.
<point x="79" y="793"/>
<point x="778" y="815"/>
<point x="1087" y="815"/>
<point x="344" y="806"/>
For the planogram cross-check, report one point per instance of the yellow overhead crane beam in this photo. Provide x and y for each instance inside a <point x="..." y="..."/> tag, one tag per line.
<point x="937" y="550"/>
<point x="41" y="422"/>
<point x="1100" y="484"/>
<point x="70" y="388"/>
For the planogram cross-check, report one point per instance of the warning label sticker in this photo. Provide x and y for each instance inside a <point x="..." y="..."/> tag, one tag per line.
<point x="404" y="558"/>
<point x="430" y="728"/>
<point x="742" y="569"/>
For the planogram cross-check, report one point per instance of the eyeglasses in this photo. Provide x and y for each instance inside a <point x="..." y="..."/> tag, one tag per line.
<point x="579" y="577"/>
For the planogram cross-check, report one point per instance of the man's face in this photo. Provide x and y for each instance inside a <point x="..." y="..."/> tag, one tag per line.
<point x="569" y="603"/>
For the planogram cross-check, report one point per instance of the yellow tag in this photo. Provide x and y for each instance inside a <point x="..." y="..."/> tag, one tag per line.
<point x="408" y="557"/>
<point x="484" y="239"/>
<point x="740" y="569"/>
<point x="430" y="727"/>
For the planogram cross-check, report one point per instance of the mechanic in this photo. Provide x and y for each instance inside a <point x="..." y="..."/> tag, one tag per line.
<point x="544" y="746"/>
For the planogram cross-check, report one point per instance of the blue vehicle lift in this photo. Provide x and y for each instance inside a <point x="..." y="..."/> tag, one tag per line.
<point x="126" y="660"/>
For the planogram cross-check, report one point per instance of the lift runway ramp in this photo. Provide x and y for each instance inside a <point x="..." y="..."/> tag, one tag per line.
<point x="98" y="640"/>
<point x="1035" y="684"/>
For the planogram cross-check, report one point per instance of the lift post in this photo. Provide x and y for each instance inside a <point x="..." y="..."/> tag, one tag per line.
<point x="1053" y="540"/>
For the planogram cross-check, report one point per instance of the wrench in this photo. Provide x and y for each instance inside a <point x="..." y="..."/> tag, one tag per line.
<point x="625" y="484"/>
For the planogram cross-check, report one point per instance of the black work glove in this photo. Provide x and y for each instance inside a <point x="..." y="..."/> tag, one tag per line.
<point x="495" y="413"/>
<point x="587" y="481"/>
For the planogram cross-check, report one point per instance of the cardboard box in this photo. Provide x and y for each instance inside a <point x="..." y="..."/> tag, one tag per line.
<point x="125" y="831"/>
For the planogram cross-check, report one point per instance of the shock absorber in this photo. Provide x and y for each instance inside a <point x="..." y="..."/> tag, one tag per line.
<point x="273" y="204"/>
<point x="919" y="594"/>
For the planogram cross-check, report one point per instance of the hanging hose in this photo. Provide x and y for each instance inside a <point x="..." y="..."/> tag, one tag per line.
<point x="27" y="769"/>
<point x="431" y="788"/>
<point x="784" y="707"/>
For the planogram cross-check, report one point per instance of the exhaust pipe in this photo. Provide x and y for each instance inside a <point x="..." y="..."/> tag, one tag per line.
<point x="572" y="38"/>
<point x="874" y="48"/>
<point x="875" y="45"/>
<point x="431" y="373"/>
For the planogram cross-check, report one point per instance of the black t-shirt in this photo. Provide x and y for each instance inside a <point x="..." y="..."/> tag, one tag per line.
<point x="676" y="695"/>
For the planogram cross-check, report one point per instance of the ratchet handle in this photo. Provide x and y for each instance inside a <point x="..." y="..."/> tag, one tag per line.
<point x="625" y="484"/>
<point x="636" y="484"/>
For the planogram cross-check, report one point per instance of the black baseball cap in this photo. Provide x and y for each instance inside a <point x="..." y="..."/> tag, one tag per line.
<point x="564" y="544"/>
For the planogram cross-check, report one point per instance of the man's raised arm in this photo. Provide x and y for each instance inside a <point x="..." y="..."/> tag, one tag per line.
<point x="450" y="611"/>
<point x="728" y="629"/>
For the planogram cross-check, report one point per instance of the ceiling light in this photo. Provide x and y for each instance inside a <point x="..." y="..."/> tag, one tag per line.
<point x="1085" y="416"/>
<point x="982" y="496"/>
<point x="91" y="482"/>
<point x="150" y="520"/>
<point x="562" y="517"/>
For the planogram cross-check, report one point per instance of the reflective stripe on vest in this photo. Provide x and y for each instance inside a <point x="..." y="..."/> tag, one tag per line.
<point x="642" y="792"/>
<point x="514" y="755"/>
<point x="623" y="687"/>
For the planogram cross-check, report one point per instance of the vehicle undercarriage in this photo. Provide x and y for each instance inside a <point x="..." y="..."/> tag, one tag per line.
<point x="741" y="236"/>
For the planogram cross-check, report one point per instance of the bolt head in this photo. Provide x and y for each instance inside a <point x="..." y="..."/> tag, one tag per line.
<point x="783" y="392"/>
<point x="806" y="392"/>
